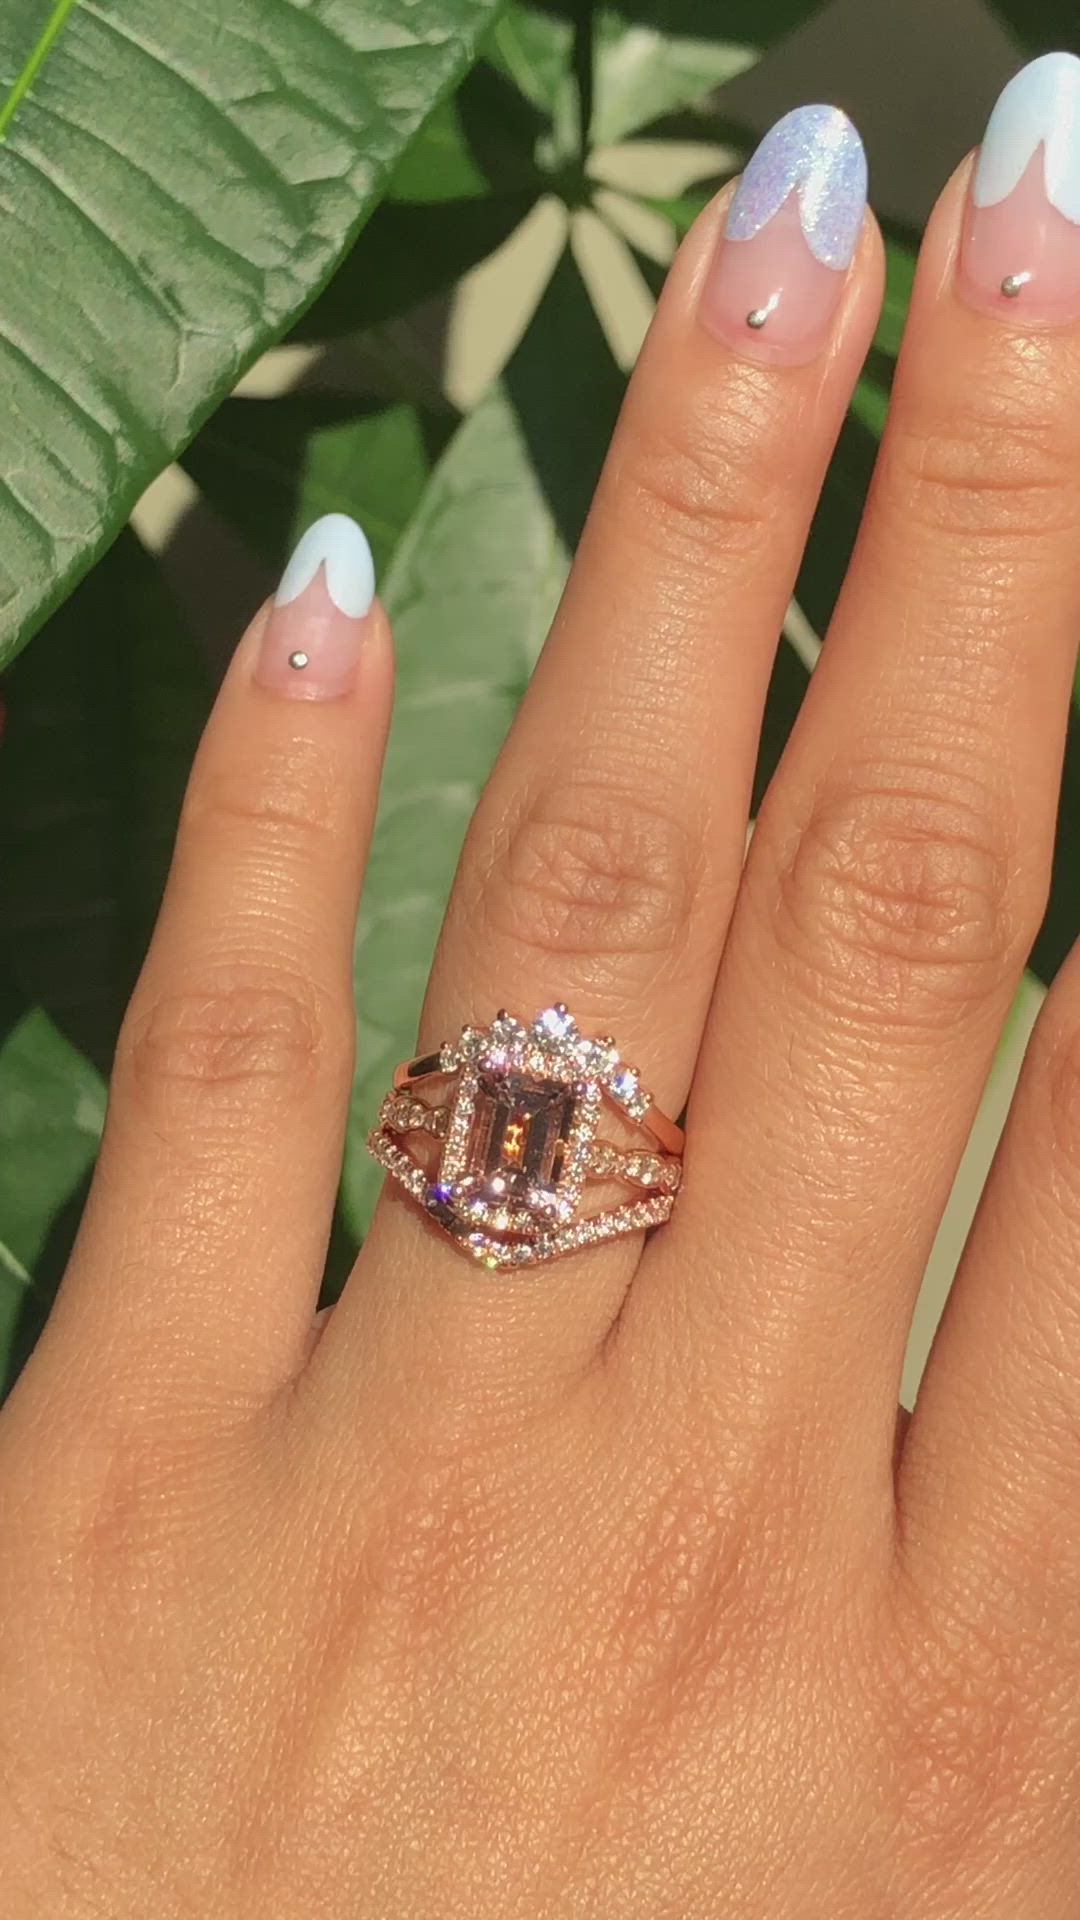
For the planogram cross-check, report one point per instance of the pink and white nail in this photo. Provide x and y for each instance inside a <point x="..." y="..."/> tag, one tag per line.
<point x="791" y="234"/>
<point x="1020" y="249"/>
<point x="311" y="644"/>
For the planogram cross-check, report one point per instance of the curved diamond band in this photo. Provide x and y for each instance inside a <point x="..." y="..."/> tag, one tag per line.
<point x="515" y="1140"/>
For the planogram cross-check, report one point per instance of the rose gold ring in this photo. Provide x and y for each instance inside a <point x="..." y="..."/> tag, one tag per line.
<point x="502" y="1159"/>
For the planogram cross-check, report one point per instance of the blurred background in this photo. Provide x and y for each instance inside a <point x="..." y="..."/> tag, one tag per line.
<point x="243" y="362"/>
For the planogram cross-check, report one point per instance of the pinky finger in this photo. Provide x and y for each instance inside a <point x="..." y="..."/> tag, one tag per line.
<point x="206" y="1227"/>
<point x="991" y="1469"/>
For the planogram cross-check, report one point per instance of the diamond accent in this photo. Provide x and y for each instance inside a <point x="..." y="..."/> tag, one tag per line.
<point x="641" y="1169"/>
<point x="555" y="1023"/>
<point x="404" y="1113"/>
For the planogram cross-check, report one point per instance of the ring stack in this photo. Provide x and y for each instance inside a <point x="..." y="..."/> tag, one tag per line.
<point x="496" y="1134"/>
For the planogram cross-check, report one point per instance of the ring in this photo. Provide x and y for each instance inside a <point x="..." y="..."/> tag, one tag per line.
<point x="503" y="1158"/>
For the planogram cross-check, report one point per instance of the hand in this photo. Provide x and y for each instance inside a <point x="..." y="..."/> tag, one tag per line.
<point x="609" y="1587"/>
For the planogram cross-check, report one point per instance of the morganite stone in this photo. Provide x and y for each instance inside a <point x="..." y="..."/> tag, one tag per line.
<point x="520" y="1128"/>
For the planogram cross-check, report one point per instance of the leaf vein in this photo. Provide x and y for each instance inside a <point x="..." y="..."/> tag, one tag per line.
<point x="141" y="280"/>
<point x="98" y="430"/>
<point x="261" y="163"/>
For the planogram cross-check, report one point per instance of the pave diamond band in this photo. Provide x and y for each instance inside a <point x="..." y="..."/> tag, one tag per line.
<point x="515" y="1140"/>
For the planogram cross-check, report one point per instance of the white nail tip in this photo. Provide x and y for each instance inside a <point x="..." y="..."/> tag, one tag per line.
<point x="1039" y="107"/>
<point x="336" y="543"/>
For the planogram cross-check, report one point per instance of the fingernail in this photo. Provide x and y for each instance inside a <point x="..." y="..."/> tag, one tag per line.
<point x="311" y="644"/>
<point x="1020" y="249"/>
<point x="792" y="230"/>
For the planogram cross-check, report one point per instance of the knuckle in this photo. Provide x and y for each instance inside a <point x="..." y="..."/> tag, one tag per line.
<point x="243" y="1031"/>
<point x="706" y="485"/>
<point x="585" y="871"/>
<point x="1001" y="467"/>
<point x="898" y="891"/>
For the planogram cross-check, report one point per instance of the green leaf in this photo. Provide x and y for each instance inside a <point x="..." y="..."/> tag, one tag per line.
<point x="408" y="253"/>
<point x="103" y="715"/>
<point x="649" y="61"/>
<point x="270" y="467"/>
<point x="481" y="140"/>
<point x="472" y="590"/>
<point x="534" y="49"/>
<point x="644" y="71"/>
<point x="567" y="391"/>
<point x="52" y="1108"/>
<point x="178" y="179"/>
<point x="655" y="58"/>
<point x="1041" y="25"/>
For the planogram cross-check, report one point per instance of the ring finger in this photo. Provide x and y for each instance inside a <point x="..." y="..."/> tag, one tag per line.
<point x="605" y="854"/>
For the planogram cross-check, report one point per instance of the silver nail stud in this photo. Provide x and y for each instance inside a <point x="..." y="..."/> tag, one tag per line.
<point x="758" y="316"/>
<point x="1013" y="284"/>
<point x="298" y="661"/>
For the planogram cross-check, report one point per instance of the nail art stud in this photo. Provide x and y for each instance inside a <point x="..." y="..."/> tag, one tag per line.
<point x="1020" y="248"/>
<point x="311" y="643"/>
<point x="791" y="235"/>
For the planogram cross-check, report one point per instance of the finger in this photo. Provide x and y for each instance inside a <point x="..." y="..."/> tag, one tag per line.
<point x="604" y="856"/>
<point x="204" y="1234"/>
<point x="993" y="1444"/>
<point x="900" y="864"/>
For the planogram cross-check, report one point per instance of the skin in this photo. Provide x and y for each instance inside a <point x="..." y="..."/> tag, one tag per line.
<point x="615" y="1589"/>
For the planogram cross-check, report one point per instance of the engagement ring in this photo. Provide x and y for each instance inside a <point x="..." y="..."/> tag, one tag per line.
<point x="503" y="1137"/>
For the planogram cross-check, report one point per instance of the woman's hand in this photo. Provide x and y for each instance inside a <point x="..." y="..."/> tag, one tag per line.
<point x="607" y="1587"/>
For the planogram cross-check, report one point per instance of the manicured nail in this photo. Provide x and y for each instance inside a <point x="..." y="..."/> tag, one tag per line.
<point x="311" y="643"/>
<point x="1020" y="249"/>
<point x="792" y="230"/>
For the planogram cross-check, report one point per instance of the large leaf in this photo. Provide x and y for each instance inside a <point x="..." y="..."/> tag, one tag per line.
<point x="178" y="178"/>
<point x="272" y="466"/>
<point x="472" y="590"/>
<point x="102" y="719"/>
<point x="52" y="1106"/>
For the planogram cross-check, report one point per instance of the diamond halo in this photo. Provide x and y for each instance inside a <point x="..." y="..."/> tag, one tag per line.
<point x="518" y="1140"/>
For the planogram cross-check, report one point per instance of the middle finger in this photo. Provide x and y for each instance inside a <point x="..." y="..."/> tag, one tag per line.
<point x="605" y="854"/>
